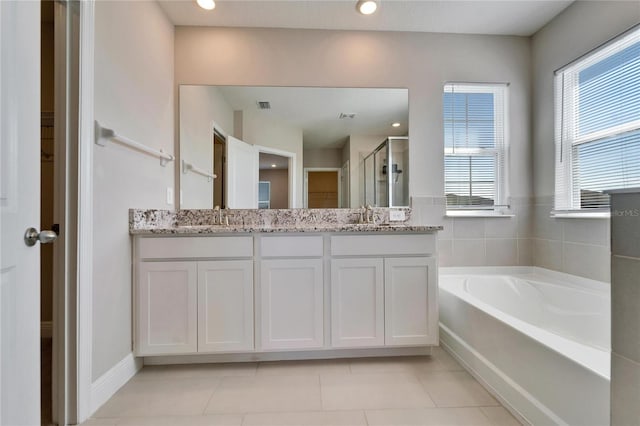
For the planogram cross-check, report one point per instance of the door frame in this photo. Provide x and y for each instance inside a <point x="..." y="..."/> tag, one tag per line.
<point x="84" y="253"/>
<point x="215" y="128"/>
<point x="293" y="182"/>
<point x="305" y="192"/>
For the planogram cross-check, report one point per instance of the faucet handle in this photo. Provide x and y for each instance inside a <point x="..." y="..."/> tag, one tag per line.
<point x="216" y="209"/>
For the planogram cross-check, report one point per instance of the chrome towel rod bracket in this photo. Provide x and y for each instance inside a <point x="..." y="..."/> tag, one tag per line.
<point x="104" y="135"/>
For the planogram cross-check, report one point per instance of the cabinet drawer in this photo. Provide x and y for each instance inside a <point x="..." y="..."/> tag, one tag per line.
<point x="383" y="245"/>
<point x="292" y="246"/>
<point x="194" y="247"/>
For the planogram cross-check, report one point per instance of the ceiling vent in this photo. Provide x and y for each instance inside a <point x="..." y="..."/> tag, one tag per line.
<point x="264" y="105"/>
<point x="345" y="116"/>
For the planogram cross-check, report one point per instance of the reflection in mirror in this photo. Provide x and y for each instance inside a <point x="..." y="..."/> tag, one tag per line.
<point x="273" y="185"/>
<point x="318" y="139"/>
<point x="384" y="185"/>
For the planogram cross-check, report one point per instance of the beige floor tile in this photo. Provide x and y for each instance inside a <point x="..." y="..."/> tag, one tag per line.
<point x="456" y="389"/>
<point x="310" y="367"/>
<point x="183" y="397"/>
<point x="373" y="391"/>
<point x="499" y="416"/>
<point x="443" y="358"/>
<point x="266" y="394"/>
<point x="428" y="417"/>
<point x="412" y="364"/>
<point x="187" y="371"/>
<point x="306" y="418"/>
<point x="213" y="420"/>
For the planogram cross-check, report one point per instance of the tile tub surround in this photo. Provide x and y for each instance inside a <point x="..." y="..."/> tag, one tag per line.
<point x="625" y="308"/>
<point x="571" y="245"/>
<point x="488" y="241"/>
<point x="423" y="390"/>
<point x="277" y="220"/>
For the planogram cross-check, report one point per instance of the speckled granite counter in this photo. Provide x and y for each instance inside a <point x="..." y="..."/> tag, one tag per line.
<point x="197" y="222"/>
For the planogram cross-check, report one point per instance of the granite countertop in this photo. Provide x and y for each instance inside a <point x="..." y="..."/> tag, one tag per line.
<point x="199" y="222"/>
<point x="224" y="229"/>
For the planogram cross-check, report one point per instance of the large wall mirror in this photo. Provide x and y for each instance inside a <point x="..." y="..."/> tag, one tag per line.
<point x="293" y="147"/>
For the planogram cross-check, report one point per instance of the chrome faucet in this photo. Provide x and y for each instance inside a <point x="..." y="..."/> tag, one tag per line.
<point x="217" y="215"/>
<point x="361" y="218"/>
<point x="369" y="214"/>
<point x="226" y="217"/>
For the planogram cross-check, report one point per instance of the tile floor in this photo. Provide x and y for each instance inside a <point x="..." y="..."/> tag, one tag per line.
<point x="431" y="390"/>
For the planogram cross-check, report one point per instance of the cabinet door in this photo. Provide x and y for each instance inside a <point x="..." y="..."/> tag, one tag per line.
<point x="357" y="303"/>
<point x="225" y="306"/>
<point x="292" y="306"/>
<point x="167" y="308"/>
<point x="411" y="305"/>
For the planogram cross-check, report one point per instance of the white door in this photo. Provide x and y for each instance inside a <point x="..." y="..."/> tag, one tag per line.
<point x="411" y="309"/>
<point x="242" y="175"/>
<point x="225" y="306"/>
<point x="292" y="307"/>
<point x="357" y="303"/>
<point x="19" y="210"/>
<point x="167" y="300"/>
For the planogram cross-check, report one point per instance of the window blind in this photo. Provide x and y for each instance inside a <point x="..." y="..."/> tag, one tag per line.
<point x="598" y="125"/>
<point x="474" y="145"/>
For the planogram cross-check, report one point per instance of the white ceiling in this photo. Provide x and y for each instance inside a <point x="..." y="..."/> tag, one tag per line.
<point x="316" y="110"/>
<point x="266" y="161"/>
<point x="505" y="17"/>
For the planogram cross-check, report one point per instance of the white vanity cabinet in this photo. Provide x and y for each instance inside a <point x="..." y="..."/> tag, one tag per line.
<point x="167" y="308"/>
<point x="225" y="306"/>
<point x="383" y="290"/>
<point x="191" y="298"/>
<point x="411" y="309"/>
<point x="357" y="302"/>
<point x="291" y="288"/>
<point x="260" y="295"/>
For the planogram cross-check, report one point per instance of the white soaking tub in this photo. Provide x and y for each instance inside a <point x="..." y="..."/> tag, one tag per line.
<point x="539" y="339"/>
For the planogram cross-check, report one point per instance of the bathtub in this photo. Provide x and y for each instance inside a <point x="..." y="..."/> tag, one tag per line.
<point x="538" y="339"/>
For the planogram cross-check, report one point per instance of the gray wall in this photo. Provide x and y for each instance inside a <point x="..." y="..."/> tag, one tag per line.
<point x="360" y="59"/>
<point x="576" y="246"/>
<point x="625" y="309"/>
<point x="134" y="96"/>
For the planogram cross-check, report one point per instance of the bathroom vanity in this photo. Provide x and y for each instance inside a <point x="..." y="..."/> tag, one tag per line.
<point x="269" y="289"/>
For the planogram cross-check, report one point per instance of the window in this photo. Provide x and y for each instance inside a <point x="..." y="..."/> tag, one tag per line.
<point x="475" y="146"/>
<point x="597" y="128"/>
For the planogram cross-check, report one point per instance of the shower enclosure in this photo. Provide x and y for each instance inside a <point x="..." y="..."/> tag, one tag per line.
<point x="386" y="174"/>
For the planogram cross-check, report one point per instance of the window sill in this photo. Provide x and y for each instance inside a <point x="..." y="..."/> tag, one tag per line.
<point x="478" y="214"/>
<point x="579" y="215"/>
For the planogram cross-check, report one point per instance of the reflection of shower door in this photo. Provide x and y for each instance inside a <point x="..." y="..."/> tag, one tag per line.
<point x="345" y="182"/>
<point x="242" y="175"/>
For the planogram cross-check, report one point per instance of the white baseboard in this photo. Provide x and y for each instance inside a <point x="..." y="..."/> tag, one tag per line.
<point x="109" y="383"/>
<point x="46" y="328"/>
<point x="287" y="356"/>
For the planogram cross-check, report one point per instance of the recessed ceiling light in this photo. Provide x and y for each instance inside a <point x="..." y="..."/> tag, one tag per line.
<point x="367" y="7"/>
<point x="395" y="125"/>
<point x="273" y="165"/>
<point x="206" y="4"/>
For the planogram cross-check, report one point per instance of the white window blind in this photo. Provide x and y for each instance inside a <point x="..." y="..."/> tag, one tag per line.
<point x="474" y="145"/>
<point x="597" y="128"/>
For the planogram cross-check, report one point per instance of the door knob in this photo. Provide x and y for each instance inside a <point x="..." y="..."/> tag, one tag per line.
<point x="32" y="236"/>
